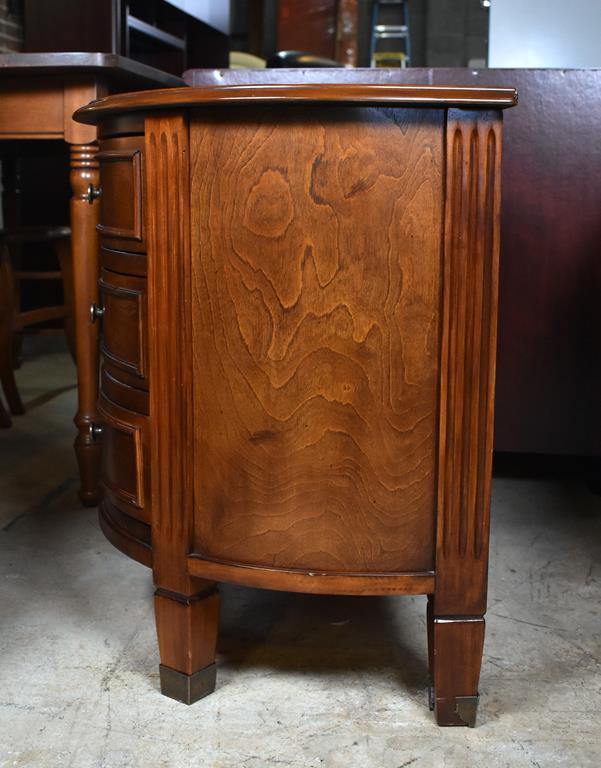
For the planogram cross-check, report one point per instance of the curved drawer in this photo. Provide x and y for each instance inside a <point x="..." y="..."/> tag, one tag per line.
<point x="125" y="466"/>
<point x="124" y="327"/>
<point x="121" y="201"/>
<point x="124" y="262"/>
<point x="122" y="394"/>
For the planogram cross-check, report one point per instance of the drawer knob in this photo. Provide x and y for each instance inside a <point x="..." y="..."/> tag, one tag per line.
<point x="92" y="193"/>
<point x="96" y="312"/>
<point x="96" y="431"/>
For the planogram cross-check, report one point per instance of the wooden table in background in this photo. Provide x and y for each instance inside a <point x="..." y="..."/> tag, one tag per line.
<point x="39" y="93"/>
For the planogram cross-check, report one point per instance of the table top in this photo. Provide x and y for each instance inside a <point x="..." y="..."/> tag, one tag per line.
<point x="341" y="93"/>
<point x="117" y="68"/>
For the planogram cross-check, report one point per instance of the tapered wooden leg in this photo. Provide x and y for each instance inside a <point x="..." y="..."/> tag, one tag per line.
<point x="455" y="646"/>
<point x="84" y="244"/>
<point x="187" y="628"/>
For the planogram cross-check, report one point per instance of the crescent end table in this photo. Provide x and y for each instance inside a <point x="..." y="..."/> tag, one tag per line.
<point x="298" y="300"/>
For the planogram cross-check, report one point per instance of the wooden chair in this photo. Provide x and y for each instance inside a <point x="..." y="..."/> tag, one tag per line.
<point x="13" y="320"/>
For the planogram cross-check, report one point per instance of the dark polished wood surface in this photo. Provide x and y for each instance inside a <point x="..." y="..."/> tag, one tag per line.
<point x="132" y="73"/>
<point x="548" y="376"/>
<point x="339" y="93"/>
<point x="318" y="358"/>
<point x="154" y="32"/>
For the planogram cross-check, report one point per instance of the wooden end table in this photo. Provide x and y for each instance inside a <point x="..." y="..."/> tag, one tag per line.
<point x="299" y="300"/>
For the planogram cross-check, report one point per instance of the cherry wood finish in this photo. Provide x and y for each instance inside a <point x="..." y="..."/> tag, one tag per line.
<point x="121" y="221"/>
<point x="123" y="299"/>
<point x="311" y="327"/>
<point x="455" y="647"/>
<point x="125" y="461"/>
<point x="39" y="94"/>
<point x="321" y="358"/>
<point x="286" y="93"/>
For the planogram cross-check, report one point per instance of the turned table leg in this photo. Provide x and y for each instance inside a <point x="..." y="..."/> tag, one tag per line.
<point x="187" y="628"/>
<point x="84" y="240"/>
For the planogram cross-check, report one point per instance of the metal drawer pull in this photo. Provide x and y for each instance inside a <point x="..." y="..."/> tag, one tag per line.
<point x="93" y="193"/>
<point x="96" y="312"/>
<point x="96" y="431"/>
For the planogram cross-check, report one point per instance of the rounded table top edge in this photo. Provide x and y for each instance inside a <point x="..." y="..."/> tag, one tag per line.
<point x="327" y="93"/>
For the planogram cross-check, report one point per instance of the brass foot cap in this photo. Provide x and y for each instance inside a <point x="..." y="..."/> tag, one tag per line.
<point x="187" y="688"/>
<point x="459" y="710"/>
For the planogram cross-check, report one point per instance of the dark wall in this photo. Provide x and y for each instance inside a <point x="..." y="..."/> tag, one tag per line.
<point x="444" y="33"/>
<point x="11" y="26"/>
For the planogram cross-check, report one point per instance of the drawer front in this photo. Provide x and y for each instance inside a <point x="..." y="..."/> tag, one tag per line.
<point x="124" y="327"/>
<point x="124" y="262"/>
<point x="125" y="460"/>
<point x="123" y="394"/>
<point x="121" y="201"/>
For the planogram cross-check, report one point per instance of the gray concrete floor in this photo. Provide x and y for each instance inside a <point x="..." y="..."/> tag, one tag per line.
<point x="302" y="681"/>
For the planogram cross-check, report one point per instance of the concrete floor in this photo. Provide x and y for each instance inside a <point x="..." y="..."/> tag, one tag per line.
<point x="302" y="681"/>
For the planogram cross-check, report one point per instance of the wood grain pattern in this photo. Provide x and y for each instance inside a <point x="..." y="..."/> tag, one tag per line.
<point x="471" y="263"/>
<point x="316" y="300"/>
<point x="31" y="110"/>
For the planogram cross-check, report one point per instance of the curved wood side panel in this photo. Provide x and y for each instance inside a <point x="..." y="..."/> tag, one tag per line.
<point x="471" y="264"/>
<point x="129" y="536"/>
<point x="316" y="334"/>
<point x="315" y="583"/>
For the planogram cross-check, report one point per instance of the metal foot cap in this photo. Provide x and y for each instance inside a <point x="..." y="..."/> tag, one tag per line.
<point x="187" y="688"/>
